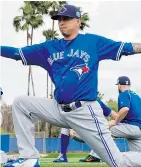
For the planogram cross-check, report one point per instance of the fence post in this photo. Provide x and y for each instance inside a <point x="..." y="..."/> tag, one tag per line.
<point x="44" y="142"/>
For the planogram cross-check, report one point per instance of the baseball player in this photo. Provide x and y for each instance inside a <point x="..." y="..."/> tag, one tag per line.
<point x="67" y="133"/>
<point x="72" y="63"/>
<point x="128" y="122"/>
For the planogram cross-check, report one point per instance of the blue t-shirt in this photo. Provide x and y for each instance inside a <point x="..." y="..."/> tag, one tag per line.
<point x="131" y="100"/>
<point x="73" y="67"/>
<point x="106" y="110"/>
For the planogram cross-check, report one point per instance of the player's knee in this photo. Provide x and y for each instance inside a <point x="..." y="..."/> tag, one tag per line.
<point x="113" y="131"/>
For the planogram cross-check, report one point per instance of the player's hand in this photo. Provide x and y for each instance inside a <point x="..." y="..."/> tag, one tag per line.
<point x="112" y="123"/>
<point x="72" y="133"/>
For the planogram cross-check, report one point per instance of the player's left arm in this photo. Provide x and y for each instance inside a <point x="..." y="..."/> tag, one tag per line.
<point x="136" y="48"/>
<point x="109" y="49"/>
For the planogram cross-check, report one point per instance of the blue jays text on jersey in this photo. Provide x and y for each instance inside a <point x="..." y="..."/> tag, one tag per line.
<point x="73" y="65"/>
<point x="132" y="101"/>
<point x="60" y="55"/>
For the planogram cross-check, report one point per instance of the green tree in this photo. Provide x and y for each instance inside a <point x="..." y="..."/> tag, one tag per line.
<point x="84" y="20"/>
<point x="112" y="104"/>
<point x="49" y="34"/>
<point x="29" y="20"/>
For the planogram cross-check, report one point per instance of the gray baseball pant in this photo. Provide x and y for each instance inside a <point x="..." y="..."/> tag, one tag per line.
<point x="131" y="132"/>
<point x="88" y="121"/>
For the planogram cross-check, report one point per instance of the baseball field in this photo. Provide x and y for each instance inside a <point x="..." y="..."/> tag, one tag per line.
<point x="73" y="160"/>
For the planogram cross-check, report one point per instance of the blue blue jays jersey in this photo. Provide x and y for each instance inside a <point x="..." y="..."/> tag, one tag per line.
<point x="106" y="110"/>
<point x="131" y="100"/>
<point x="73" y="65"/>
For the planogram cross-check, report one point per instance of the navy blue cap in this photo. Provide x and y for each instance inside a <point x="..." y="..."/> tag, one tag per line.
<point x="68" y="10"/>
<point x="123" y="80"/>
<point x="1" y="92"/>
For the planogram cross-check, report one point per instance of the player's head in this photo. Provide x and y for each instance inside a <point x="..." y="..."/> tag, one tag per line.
<point x="69" y="20"/>
<point x="123" y="83"/>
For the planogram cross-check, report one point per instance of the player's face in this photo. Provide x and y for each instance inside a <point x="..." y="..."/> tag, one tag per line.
<point x="68" y="25"/>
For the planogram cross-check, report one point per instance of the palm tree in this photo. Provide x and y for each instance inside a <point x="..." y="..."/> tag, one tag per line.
<point x="54" y="6"/>
<point x="84" y="20"/>
<point x="28" y="21"/>
<point x="49" y="34"/>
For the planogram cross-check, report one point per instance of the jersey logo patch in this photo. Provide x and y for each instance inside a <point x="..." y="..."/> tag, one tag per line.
<point x="80" y="70"/>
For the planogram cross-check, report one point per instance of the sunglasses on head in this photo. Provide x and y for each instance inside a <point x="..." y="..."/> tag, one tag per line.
<point x="64" y="18"/>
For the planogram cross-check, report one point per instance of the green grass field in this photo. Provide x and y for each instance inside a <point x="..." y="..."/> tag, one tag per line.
<point x="73" y="160"/>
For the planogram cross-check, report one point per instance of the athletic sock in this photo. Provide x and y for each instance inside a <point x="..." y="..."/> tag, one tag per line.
<point x="64" y="144"/>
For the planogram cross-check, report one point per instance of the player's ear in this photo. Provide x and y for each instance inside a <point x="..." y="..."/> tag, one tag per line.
<point x="78" y="22"/>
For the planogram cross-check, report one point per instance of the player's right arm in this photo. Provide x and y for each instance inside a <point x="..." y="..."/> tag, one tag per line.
<point x="10" y="52"/>
<point x="72" y="133"/>
<point x="30" y="55"/>
<point x="107" y="111"/>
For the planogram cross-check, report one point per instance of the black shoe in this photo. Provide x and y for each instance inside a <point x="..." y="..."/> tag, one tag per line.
<point x="90" y="158"/>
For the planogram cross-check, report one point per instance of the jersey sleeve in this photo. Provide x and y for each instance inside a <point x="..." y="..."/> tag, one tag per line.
<point x="10" y="52"/>
<point x="109" y="49"/>
<point x="106" y="110"/>
<point x="35" y="54"/>
<point x="123" y="100"/>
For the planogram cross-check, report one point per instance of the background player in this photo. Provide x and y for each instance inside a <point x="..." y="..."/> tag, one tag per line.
<point x="73" y="67"/>
<point x="128" y="122"/>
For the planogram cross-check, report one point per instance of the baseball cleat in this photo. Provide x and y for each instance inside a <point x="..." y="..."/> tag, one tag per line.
<point x="22" y="162"/>
<point x="90" y="158"/>
<point x="61" y="159"/>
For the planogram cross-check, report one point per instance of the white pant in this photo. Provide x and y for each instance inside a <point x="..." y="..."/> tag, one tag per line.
<point x="3" y="157"/>
<point x="130" y="132"/>
<point x="88" y="121"/>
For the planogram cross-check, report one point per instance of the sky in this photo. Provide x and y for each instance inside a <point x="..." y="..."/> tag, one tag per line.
<point x="117" y="20"/>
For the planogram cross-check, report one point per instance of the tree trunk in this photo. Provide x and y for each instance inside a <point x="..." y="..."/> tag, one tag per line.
<point x="49" y="125"/>
<point x="31" y="68"/>
<point x="49" y="130"/>
<point x="52" y="38"/>
<point x="28" y="89"/>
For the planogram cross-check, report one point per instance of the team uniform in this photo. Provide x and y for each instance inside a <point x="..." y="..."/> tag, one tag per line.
<point x="73" y="68"/>
<point x="130" y="126"/>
